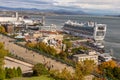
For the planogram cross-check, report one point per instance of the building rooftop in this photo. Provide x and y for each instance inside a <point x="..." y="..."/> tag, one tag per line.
<point x="83" y="55"/>
<point x="105" y="55"/>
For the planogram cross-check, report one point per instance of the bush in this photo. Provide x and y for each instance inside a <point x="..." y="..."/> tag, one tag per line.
<point x="39" y="69"/>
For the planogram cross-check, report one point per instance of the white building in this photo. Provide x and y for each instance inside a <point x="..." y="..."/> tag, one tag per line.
<point x="91" y="55"/>
<point x="16" y="20"/>
<point x="9" y="19"/>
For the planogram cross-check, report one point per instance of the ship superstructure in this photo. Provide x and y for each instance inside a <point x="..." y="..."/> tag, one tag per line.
<point x="90" y="30"/>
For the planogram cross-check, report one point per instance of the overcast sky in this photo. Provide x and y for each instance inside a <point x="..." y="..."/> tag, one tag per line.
<point x="85" y="5"/>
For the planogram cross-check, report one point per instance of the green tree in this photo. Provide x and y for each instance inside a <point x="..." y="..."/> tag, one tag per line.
<point x="15" y="72"/>
<point x="2" y="74"/>
<point x="3" y="53"/>
<point x="19" y="71"/>
<point x="116" y="72"/>
<point x="68" y="44"/>
<point x="39" y="69"/>
<point x="10" y="73"/>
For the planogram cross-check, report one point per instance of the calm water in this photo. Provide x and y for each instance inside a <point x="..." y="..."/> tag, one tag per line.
<point x="112" y="39"/>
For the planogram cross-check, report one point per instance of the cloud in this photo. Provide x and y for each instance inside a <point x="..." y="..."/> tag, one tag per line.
<point x="66" y="4"/>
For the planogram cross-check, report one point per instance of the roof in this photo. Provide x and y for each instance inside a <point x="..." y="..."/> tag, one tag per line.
<point x="83" y="55"/>
<point x="105" y="55"/>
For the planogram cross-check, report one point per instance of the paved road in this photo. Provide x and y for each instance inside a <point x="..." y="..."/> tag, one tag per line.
<point x="32" y="56"/>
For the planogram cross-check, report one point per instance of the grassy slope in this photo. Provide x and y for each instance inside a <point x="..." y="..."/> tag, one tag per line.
<point x="33" y="78"/>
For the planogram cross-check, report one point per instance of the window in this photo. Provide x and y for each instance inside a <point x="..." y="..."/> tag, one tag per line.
<point x="100" y="33"/>
<point x="101" y="28"/>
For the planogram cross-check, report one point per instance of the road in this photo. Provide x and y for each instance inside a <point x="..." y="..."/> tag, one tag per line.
<point x="32" y="56"/>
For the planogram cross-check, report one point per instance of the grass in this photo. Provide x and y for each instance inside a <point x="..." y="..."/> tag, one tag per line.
<point x="43" y="77"/>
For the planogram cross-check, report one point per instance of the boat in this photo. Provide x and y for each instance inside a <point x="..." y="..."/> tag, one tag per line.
<point x="90" y="30"/>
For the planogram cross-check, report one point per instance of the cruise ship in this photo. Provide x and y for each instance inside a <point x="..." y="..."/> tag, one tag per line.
<point x="91" y="30"/>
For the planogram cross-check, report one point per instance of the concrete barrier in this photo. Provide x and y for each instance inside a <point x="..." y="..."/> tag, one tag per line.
<point x="18" y="61"/>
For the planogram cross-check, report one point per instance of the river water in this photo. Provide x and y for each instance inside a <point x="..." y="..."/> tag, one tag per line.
<point x="112" y="39"/>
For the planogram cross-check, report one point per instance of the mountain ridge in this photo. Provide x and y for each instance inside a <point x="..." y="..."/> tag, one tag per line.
<point x="56" y="11"/>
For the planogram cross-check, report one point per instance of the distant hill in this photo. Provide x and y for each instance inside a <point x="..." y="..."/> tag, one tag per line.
<point x="113" y="15"/>
<point x="59" y="11"/>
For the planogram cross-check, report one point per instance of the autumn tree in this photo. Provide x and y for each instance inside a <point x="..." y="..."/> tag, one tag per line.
<point x="116" y="72"/>
<point x="2" y="29"/>
<point x="84" y="68"/>
<point x="78" y="72"/>
<point x="110" y="70"/>
<point x="30" y="44"/>
<point x="107" y="64"/>
<point x="65" y="74"/>
<point x="87" y="66"/>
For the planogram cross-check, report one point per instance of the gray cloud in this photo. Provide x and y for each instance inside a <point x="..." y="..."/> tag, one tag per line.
<point x="86" y="5"/>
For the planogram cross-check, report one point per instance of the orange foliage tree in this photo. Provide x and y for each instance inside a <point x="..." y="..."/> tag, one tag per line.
<point x="104" y="65"/>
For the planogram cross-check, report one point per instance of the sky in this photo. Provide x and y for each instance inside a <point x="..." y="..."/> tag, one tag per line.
<point x="99" y="6"/>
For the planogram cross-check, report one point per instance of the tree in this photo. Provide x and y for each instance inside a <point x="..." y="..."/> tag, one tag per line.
<point x="39" y="69"/>
<point x="107" y="64"/>
<point x="65" y="74"/>
<point x="3" y="53"/>
<point x="116" y="72"/>
<point x="51" y="50"/>
<point x="19" y="71"/>
<point x="10" y="73"/>
<point x="63" y="54"/>
<point x="78" y="72"/>
<point x="84" y="68"/>
<point x="2" y="74"/>
<point x="68" y="45"/>
<point x="89" y="66"/>
<point x="2" y="29"/>
<point x="30" y="44"/>
<point x="110" y="70"/>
